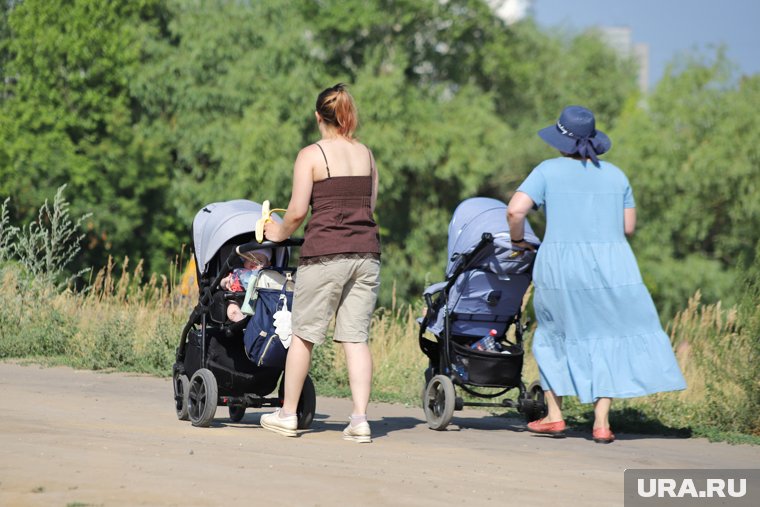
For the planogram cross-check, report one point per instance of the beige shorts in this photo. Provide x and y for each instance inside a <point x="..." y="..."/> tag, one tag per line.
<point x="344" y="288"/>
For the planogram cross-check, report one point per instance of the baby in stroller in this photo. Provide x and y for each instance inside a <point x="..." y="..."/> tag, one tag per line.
<point x="239" y="278"/>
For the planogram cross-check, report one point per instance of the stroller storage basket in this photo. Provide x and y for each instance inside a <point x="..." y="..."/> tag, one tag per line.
<point x="489" y="369"/>
<point x="226" y="358"/>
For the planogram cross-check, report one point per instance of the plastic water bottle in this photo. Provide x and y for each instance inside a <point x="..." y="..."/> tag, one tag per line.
<point x="460" y="369"/>
<point x="487" y="343"/>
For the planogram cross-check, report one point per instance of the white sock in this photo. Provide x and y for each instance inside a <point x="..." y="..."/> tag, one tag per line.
<point x="357" y="419"/>
<point x="282" y="414"/>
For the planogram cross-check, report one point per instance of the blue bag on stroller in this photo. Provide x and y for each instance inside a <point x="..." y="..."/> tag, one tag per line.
<point x="262" y="343"/>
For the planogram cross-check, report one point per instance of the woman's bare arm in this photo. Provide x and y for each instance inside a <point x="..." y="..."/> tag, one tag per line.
<point x="303" y="181"/>
<point x="629" y="221"/>
<point x="518" y="209"/>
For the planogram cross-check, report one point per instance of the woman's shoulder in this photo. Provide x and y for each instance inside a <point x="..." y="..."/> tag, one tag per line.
<point x="311" y="156"/>
<point x="317" y="147"/>
<point x="553" y="162"/>
<point x="359" y="146"/>
<point x="609" y="166"/>
<point x="550" y="165"/>
<point x="310" y="150"/>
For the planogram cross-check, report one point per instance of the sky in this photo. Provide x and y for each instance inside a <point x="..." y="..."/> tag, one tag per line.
<point x="669" y="27"/>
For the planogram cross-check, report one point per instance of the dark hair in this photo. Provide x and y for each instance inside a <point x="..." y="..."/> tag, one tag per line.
<point x="336" y="107"/>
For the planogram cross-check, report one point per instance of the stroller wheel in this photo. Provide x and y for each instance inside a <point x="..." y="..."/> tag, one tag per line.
<point x="202" y="398"/>
<point x="237" y="412"/>
<point x="534" y="406"/>
<point x="181" y="388"/>
<point x="307" y="403"/>
<point x="438" y="401"/>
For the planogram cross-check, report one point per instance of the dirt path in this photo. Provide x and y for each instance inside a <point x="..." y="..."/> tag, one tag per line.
<point x="71" y="437"/>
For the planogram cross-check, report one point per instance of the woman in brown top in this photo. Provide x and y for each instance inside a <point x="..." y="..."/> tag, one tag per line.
<point x="339" y="270"/>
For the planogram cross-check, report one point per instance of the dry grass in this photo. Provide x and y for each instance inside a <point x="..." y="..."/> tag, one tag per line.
<point x="120" y="322"/>
<point x="717" y="361"/>
<point x="124" y="323"/>
<point x="705" y="337"/>
<point x="399" y="362"/>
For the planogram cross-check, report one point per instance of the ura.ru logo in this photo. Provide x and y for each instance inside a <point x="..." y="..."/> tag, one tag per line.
<point x="714" y="488"/>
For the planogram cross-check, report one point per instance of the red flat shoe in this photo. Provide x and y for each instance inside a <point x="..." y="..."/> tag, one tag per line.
<point x="603" y="436"/>
<point x="556" y="429"/>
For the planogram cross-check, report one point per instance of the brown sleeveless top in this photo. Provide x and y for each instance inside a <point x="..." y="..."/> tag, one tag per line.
<point x="341" y="218"/>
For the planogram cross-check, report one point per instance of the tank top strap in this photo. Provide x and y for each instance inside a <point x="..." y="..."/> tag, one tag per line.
<point x="327" y="166"/>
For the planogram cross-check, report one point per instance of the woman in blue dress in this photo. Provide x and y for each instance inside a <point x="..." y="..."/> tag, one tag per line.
<point x="599" y="336"/>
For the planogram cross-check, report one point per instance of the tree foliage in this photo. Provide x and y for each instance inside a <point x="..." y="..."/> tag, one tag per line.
<point x="692" y="161"/>
<point x="67" y="117"/>
<point x="150" y="109"/>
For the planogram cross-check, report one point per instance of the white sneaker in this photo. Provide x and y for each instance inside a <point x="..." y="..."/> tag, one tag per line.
<point x="283" y="425"/>
<point x="359" y="433"/>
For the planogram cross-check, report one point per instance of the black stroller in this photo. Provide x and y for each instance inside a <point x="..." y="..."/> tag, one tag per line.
<point x="482" y="297"/>
<point x="212" y="365"/>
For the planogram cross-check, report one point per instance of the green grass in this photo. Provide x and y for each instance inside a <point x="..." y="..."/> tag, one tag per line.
<point x="123" y="325"/>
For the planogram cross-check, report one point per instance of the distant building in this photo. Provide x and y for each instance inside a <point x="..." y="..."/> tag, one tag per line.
<point x="620" y="39"/>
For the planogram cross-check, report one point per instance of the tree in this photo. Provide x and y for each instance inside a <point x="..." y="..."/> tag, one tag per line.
<point x="452" y="98"/>
<point x="67" y="117"/>
<point x="229" y="89"/>
<point x="161" y="107"/>
<point x="691" y="159"/>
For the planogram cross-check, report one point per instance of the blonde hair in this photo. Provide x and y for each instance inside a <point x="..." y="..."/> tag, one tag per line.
<point x="336" y="107"/>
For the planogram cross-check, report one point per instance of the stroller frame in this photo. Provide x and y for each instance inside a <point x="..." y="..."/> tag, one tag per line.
<point x="439" y="397"/>
<point x="197" y="390"/>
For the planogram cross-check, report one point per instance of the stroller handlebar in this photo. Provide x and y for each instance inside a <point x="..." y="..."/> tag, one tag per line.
<point x="255" y="245"/>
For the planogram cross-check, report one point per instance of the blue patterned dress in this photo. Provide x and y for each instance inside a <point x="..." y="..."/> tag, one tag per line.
<point x="598" y="331"/>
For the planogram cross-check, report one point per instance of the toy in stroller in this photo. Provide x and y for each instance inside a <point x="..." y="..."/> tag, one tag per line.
<point x="480" y="300"/>
<point x="237" y="364"/>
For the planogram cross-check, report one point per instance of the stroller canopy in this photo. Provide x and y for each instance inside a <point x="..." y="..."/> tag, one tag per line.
<point x="219" y="222"/>
<point x="485" y="288"/>
<point x="471" y="219"/>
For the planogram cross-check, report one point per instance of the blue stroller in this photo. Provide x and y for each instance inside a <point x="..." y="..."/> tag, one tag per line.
<point x="213" y="360"/>
<point x="482" y="296"/>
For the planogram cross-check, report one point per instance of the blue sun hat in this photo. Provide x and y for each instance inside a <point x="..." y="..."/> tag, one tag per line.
<point x="575" y="133"/>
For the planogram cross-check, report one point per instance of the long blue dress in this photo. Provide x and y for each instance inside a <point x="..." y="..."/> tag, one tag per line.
<point x="598" y="332"/>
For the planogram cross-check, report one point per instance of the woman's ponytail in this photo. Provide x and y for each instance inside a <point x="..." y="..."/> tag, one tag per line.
<point x="336" y="107"/>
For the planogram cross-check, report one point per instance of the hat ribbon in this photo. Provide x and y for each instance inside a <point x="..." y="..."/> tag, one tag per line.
<point x="586" y="146"/>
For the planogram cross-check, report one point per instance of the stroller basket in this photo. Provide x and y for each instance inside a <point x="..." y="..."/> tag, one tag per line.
<point x="488" y="369"/>
<point x="225" y="358"/>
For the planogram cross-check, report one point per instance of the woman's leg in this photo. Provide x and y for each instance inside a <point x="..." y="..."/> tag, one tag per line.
<point x="602" y="413"/>
<point x="296" y="368"/>
<point x="554" y="404"/>
<point x="359" y="362"/>
<point x="552" y="424"/>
